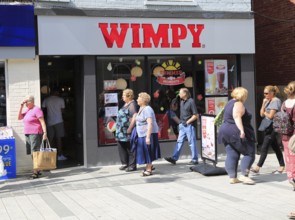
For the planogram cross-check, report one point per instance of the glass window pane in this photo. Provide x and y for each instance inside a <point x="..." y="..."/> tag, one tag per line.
<point x="168" y="75"/>
<point x="114" y="74"/>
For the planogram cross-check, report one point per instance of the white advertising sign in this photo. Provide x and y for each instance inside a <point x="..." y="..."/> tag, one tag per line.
<point x="208" y="137"/>
<point x="74" y="35"/>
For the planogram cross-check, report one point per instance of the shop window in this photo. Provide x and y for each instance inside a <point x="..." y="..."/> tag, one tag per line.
<point x="217" y="77"/>
<point x="114" y="74"/>
<point x="162" y="77"/>
<point x="169" y="74"/>
<point x="2" y="95"/>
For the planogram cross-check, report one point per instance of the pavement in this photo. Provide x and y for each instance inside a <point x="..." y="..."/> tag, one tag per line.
<point x="173" y="192"/>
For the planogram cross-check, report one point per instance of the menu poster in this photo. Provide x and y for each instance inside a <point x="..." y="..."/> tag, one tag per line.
<point x="111" y="111"/>
<point x="215" y="104"/>
<point x="109" y="85"/>
<point x="208" y="138"/>
<point x="216" y="77"/>
<point x="110" y="98"/>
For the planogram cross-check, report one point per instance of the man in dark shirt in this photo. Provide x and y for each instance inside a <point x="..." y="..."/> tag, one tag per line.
<point x="187" y="131"/>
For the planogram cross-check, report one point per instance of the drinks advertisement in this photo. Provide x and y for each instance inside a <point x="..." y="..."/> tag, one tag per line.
<point x="208" y="138"/>
<point x="215" y="104"/>
<point x="216" y="77"/>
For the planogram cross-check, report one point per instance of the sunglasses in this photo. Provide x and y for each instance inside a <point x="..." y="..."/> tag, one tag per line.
<point x="266" y="93"/>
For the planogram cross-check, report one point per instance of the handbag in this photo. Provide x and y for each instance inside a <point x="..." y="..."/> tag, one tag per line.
<point x="218" y="120"/>
<point x="45" y="159"/>
<point x="291" y="144"/>
<point x="265" y="123"/>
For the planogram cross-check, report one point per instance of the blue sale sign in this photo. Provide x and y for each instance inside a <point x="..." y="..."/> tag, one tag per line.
<point x="7" y="159"/>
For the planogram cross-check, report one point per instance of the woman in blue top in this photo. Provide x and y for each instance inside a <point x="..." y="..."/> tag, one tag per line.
<point x="124" y="125"/>
<point x="148" y="148"/>
<point x="238" y="137"/>
<point x="270" y="105"/>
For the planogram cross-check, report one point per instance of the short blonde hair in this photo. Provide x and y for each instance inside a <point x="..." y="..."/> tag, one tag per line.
<point x="128" y="93"/>
<point x="289" y="90"/>
<point x="145" y="97"/>
<point x="240" y="94"/>
<point x="30" y="98"/>
<point x="273" y="89"/>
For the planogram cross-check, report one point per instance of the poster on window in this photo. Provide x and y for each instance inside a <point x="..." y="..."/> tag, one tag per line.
<point x="111" y="111"/>
<point x="169" y="73"/>
<point x="215" y="104"/>
<point x="110" y="98"/>
<point x="216" y="79"/>
<point x="208" y="138"/>
<point x="109" y="85"/>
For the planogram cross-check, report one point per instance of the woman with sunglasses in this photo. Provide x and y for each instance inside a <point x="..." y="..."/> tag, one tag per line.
<point x="270" y="105"/>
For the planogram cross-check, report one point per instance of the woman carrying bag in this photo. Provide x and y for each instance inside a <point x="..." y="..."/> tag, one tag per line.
<point x="34" y="127"/>
<point x="270" y="105"/>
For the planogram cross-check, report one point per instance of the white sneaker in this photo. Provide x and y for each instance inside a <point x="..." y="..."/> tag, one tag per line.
<point x="246" y="180"/>
<point x="234" y="180"/>
<point x="61" y="157"/>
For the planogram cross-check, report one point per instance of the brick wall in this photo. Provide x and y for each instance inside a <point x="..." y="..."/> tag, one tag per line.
<point x="202" y="5"/>
<point x="275" y="42"/>
<point x="23" y="79"/>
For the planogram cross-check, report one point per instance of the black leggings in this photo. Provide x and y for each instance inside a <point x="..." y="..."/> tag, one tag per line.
<point x="127" y="157"/>
<point x="270" y="139"/>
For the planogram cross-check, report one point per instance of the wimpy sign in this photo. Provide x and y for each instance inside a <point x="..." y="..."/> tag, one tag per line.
<point x="151" y="36"/>
<point x="74" y="35"/>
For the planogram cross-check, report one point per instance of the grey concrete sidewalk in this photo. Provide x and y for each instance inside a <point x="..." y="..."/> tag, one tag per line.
<point x="173" y="192"/>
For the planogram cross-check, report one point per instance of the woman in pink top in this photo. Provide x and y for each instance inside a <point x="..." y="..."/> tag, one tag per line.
<point x="289" y="156"/>
<point x="34" y="127"/>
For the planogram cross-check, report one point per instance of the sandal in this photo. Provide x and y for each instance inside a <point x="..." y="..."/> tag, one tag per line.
<point x="253" y="170"/>
<point x="291" y="215"/>
<point x="279" y="171"/>
<point x="147" y="173"/>
<point x="153" y="168"/>
<point x="34" y="176"/>
<point x="292" y="182"/>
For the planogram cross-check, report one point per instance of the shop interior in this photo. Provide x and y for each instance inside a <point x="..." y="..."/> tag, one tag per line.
<point x="63" y="73"/>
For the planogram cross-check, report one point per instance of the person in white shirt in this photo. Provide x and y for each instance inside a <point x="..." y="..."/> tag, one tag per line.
<point x="55" y="126"/>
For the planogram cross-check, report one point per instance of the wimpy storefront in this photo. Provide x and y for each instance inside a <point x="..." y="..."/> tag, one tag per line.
<point x="155" y="55"/>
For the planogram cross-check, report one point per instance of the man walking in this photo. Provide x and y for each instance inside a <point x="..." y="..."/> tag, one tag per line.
<point x="188" y="115"/>
<point x="55" y="126"/>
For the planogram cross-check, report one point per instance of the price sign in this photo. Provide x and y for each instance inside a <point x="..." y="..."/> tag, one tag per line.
<point x="7" y="159"/>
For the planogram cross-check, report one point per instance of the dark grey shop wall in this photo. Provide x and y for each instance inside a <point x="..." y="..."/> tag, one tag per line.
<point x="248" y="82"/>
<point x="89" y="112"/>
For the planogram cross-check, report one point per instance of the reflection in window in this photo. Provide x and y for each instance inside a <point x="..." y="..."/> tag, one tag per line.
<point x="169" y="74"/>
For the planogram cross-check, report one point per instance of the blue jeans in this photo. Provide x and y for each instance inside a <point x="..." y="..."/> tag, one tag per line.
<point x="232" y="160"/>
<point x="186" y="132"/>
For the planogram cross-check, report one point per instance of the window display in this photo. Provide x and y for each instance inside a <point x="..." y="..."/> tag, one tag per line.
<point x="209" y="80"/>
<point x="114" y="74"/>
